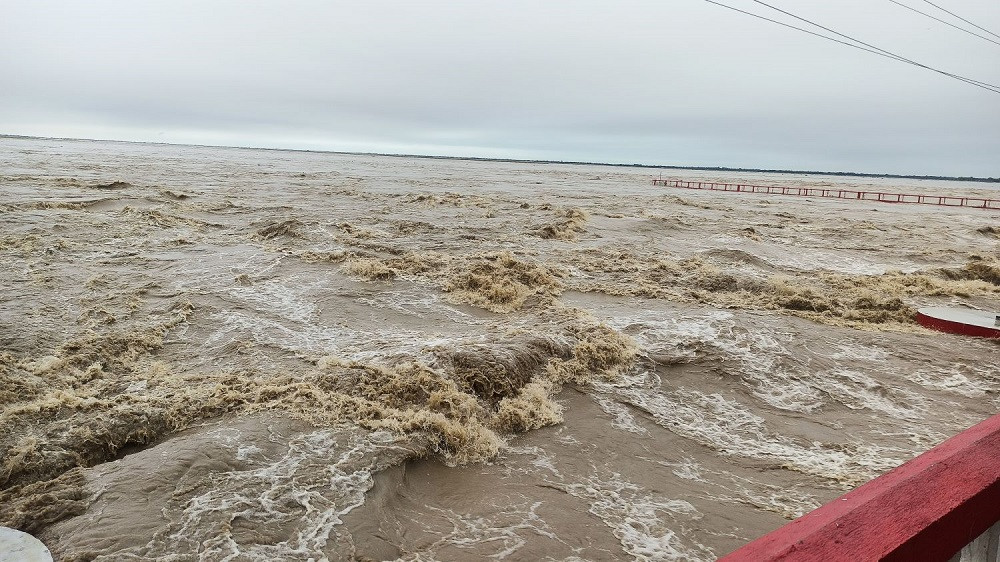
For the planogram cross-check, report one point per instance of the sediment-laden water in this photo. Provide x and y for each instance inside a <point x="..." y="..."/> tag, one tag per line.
<point x="224" y="354"/>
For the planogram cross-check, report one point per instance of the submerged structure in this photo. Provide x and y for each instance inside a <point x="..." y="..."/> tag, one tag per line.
<point x="964" y="321"/>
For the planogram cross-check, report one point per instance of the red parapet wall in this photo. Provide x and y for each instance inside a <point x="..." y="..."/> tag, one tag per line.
<point x="925" y="509"/>
<point x="879" y="196"/>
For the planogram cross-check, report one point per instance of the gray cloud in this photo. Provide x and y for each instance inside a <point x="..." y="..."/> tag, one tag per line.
<point x="676" y="82"/>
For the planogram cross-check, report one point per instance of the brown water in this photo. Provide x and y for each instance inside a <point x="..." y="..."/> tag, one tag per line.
<point x="222" y="354"/>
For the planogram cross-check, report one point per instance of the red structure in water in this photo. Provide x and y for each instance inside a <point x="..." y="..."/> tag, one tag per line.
<point x="960" y="321"/>
<point x="879" y="196"/>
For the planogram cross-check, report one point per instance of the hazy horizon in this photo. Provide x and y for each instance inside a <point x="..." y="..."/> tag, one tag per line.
<point x="529" y="160"/>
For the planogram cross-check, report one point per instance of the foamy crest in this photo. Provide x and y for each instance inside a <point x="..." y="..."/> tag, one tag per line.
<point x="416" y="302"/>
<point x="283" y="298"/>
<point x="772" y="372"/>
<point x="959" y="379"/>
<point x="622" y="418"/>
<point x="645" y="525"/>
<point x="857" y="391"/>
<point x="732" y="429"/>
<point x="854" y="351"/>
<point x="788" y="502"/>
<point x="297" y="497"/>
<point x="500" y="534"/>
<point x="688" y="469"/>
<point x="541" y="459"/>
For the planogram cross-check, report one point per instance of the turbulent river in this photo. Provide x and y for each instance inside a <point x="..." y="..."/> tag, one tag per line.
<point x="233" y="354"/>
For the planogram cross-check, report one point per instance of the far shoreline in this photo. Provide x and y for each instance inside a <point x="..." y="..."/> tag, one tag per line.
<point x="529" y="161"/>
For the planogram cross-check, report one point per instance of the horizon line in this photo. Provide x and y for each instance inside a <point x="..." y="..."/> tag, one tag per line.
<point x="536" y="161"/>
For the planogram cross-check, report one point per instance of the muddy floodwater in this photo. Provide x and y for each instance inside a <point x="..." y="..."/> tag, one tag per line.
<point x="231" y="354"/>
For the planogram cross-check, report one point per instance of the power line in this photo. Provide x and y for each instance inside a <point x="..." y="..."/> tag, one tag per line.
<point x="963" y="19"/>
<point x="857" y="44"/>
<point x="979" y="83"/>
<point x="945" y="22"/>
<point x="781" y="23"/>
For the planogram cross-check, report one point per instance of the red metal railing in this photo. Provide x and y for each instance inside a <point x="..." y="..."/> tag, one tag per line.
<point x="943" y="200"/>
<point x="925" y="509"/>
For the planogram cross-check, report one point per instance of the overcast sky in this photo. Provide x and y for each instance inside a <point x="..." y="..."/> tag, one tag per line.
<point x="679" y="82"/>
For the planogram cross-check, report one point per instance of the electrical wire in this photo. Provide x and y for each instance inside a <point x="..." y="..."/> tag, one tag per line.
<point x="945" y="22"/>
<point x="781" y="23"/>
<point x="985" y="85"/>
<point x="963" y="19"/>
<point x="857" y="44"/>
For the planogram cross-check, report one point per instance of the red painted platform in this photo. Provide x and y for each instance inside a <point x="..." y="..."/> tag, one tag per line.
<point x="925" y="509"/>
<point x="967" y="322"/>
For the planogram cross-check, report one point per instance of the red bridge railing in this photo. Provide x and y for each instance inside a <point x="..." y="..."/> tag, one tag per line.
<point x="938" y="505"/>
<point x="943" y="200"/>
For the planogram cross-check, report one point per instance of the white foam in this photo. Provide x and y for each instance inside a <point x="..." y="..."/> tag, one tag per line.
<point x="855" y="351"/>
<point x="953" y="379"/>
<point x="732" y="429"/>
<point x="640" y="521"/>
<point x="540" y="458"/>
<point x="773" y="374"/>
<point x="320" y="478"/>
<point x="418" y="302"/>
<point x="789" y="502"/>
<point x="244" y="452"/>
<point x="500" y="532"/>
<point x="688" y="469"/>
<point x="857" y="391"/>
<point x="282" y="298"/>
<point x="622" y="418"/>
